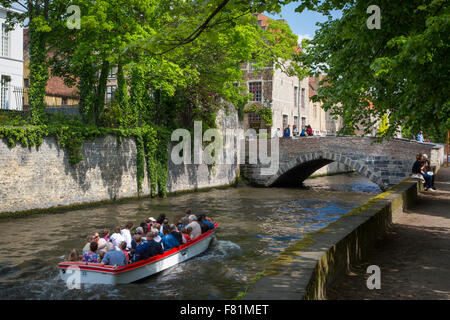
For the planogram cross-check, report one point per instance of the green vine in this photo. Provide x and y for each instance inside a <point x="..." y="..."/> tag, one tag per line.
<point x="264" y="112"/>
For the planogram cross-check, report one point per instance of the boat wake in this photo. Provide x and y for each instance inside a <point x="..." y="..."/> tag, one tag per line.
<point x="220" y="250"/>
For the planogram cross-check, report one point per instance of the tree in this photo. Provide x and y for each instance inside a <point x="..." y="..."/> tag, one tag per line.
<point x="399" y="71"/>
<point x="188" y="48"/>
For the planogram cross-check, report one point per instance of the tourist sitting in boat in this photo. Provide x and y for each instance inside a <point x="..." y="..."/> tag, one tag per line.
<point x="205" y="223"/>
<point x="74" y="256"/>
<point x="115" y="258"/>
<point x="165" y="222"/>
<point x="168" y="240"/>
<point x="91" y="255"/>
<point x="103" y="244"/>
<point x="123" y="248"/>
<point x="196" y="229"/>
<point x="144" y="227"/>
<point x="139" y="231"/>
<point x="185" y="220"/>
<point x="141" y="252"/>
<point x="160" y="218"/>
<point x="177" y="234"/>
<point x="150" y="221"/>
<point x="127" y="234"/>
<point x="89" y="239"/>
<point x="203" y="226"/>
<point x="186" y="234"/>
<point x="154" y="248"/>
<point x="117" y="238"/>
<point x="155" y="230"/>
<point x="105" y="234"/>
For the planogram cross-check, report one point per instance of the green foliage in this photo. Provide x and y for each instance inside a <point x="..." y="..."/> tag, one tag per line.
<point x="264" y="112"/>
<point x="178" y="62"/>
<point x="401" y="68"/>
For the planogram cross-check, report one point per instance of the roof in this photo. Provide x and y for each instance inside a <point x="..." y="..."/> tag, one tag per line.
<point x="313" y="85"/>
<point x="56" y="87"/>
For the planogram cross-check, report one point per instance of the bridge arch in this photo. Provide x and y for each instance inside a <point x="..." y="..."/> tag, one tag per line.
<point x="297" y="170"/>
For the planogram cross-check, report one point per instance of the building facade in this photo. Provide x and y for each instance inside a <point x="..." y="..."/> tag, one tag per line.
<point x="289" y="99"/>
<point x="271" y="88"/>
<point x="11" y="64"/>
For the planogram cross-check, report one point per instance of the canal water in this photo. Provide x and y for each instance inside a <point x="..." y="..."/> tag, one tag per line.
<point x="254" y="224"/>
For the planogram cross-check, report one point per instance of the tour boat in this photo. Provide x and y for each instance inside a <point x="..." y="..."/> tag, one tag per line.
<point x="74" y="273"/>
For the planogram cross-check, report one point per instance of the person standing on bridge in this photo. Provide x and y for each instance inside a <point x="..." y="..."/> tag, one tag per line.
<point x="420" y="136"/>
<point x="287" y="132"/>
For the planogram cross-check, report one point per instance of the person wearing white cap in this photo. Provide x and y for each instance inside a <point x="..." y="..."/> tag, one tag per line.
<point x="196" y="229"/>
<point x="116" y="238"/>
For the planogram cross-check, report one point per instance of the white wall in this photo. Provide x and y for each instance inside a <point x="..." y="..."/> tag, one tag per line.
<point x="283" y="99"/>
<point x="12" y="64"/>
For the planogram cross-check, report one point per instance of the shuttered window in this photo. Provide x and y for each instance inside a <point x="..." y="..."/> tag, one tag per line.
<point x="5" y="42"/>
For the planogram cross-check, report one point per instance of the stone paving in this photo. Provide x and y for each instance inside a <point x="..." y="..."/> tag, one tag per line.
<point x="414" y="256"/>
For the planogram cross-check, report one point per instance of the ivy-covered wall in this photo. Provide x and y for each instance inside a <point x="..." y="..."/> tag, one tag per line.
<point x="43" y="177"/>
<point x="111" y="167"/>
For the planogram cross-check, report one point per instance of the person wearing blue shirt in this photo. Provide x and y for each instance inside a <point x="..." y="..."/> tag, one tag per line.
<point x="141" y="251"/>
<point x="115" y="258"/>
<point x="154" y="248"/>
<point x="168" y="240"/>
<point x="202" y="218"/>
<point x="420" y="136"/>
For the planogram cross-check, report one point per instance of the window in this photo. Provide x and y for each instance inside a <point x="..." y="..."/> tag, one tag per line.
<point x="295" y="96"/>
<point x="112" y="72"/>
<point x="110" y="93"/>
<point x="285" y="121"/>
<point x="26" y="82"/>
<point x="255" y="89"/>
<point x="254" y="118"/>
<point x="302" y="98"/>
<point x="64" y="101"/>
<point x="315" y="111"/>
<point x="5" y="42"/>
<point x="4" y="92"/>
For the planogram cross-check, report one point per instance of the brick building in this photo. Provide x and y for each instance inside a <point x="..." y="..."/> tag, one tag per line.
<point x="288" y="97"/>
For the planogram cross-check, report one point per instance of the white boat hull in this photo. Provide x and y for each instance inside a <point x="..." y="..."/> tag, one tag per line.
<point x="74" y="273"/>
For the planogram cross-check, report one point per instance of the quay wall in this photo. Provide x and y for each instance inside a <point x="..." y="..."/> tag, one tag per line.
<point x="310" y="266"/>
<point x="40" y="178"/>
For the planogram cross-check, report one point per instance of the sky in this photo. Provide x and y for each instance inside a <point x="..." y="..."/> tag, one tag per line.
<point x="303" y="24"/>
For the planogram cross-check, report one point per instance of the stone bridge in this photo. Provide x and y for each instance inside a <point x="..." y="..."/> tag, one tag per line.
<point x="385" y="164"/>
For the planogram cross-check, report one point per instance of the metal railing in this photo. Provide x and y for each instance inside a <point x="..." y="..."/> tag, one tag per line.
<point x="12" y="97"/>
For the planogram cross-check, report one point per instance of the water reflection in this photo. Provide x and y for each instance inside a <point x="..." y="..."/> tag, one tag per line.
<point x="255" y="224"/>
